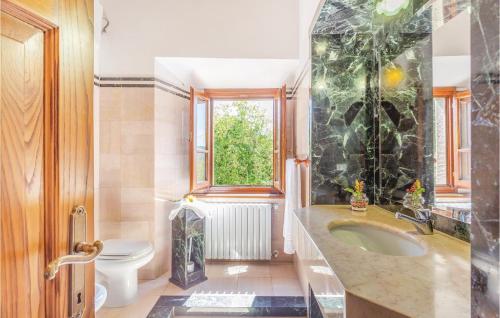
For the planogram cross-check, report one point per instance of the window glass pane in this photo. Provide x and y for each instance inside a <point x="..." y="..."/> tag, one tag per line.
<point x="464" y="118"/>
<point x="277" y="157"/>
<point x="464" y="159"/>
<point x="440" y="147"/>
<point x="201" y="123"/>
<point x="243" y="142"/>
<point x="201" y="166"/>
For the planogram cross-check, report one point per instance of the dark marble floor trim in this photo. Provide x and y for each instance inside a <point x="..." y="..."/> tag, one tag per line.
<point x="229" y="305"/>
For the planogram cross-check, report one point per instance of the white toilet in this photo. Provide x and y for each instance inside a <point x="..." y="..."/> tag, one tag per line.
<point x="100" y="296"/>
<point x="118" y="263"/>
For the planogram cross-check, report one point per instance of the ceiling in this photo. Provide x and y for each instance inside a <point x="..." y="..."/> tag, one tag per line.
<point x="230" y="73"/>
<point x="451" y="52"/>
<point x="451" y="71"/>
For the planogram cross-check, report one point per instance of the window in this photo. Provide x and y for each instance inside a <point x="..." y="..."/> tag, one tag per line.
<point x="452" y="129"/>
<point x="464" y="139"/>
<point x="238" y="141"/>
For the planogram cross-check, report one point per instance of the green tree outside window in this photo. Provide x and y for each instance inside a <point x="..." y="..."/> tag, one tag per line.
<point x="243" y="144"/>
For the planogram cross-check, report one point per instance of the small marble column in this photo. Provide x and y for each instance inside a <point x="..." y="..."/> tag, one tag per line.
<point x="485" y="176"/>
<point x="188" y="246"/>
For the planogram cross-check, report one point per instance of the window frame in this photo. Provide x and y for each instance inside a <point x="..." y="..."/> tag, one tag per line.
<point x="277" y="189"/>
<point x="452" y="97"/>
<point x="459" y="96"/>
<point x="193" y="149"/>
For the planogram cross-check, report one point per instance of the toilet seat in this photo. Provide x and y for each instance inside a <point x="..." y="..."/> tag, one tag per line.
<point x="120" y="250"/>
<point x="118" y="264"/>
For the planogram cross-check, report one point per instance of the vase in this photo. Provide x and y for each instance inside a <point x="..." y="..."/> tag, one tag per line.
<point x="413" y="201"/>
<point x="359" y="202"/>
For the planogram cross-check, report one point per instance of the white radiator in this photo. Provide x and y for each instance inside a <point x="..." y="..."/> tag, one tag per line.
<point x="239" y="231"/>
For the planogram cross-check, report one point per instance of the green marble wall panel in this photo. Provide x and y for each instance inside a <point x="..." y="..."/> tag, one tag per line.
<point x="371" y="101"/>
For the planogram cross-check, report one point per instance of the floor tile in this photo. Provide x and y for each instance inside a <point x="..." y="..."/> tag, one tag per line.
<point x="140" y="308"/>
<point x="214" y="285"/>
<point x="224" y="270"/>
<point x="283" y="270"/>
<point x="255" y="270"/>
<point x="260" y="286"/>
<point x="284" y="286"/>
<point x="248" y="278"/>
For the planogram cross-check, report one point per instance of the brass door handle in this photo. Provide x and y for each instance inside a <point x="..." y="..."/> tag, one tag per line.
<point x="84" y="253"/>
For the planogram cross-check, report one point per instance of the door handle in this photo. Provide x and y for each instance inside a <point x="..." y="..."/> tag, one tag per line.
<point x="84" y="253"/>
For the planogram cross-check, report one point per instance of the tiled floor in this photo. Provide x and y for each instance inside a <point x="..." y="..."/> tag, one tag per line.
<point x="260" y="279"/>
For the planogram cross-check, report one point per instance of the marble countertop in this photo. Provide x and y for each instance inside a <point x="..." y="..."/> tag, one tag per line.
<point x="436" y="284"/>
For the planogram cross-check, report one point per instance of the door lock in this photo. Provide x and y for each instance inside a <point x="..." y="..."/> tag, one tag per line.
<point x="80" y="253"/>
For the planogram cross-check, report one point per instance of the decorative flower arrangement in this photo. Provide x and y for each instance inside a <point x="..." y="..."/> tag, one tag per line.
<point x="359" y="200"/>
<point x="413" y="198"/>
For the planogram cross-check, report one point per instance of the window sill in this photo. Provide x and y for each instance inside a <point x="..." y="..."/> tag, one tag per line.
<point x="240" y="192"/>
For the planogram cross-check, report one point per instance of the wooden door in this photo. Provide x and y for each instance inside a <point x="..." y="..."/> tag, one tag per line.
<point x="46" y="149"/>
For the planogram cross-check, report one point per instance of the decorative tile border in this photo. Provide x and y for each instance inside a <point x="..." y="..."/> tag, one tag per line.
<point x="139" y="82"/>
<point x="229" y="305"/>
<point x="103" y="81"/>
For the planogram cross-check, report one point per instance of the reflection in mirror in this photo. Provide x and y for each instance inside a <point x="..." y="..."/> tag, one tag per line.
<point x="451" y="109"/>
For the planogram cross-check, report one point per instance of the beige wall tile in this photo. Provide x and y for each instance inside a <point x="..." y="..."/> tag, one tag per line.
<point x="111" y="99"/>
<point x="110" y="230"/>
<point x="168" y="137"/>
<point x="110" y="170"/>
<point x="136" y="230"/>
<point x="137" y="112"/>
<point x="110" y="204"/>
<point x="138" y="127"/>
<point x="137" y="144"/>
<point x="169" y="108"/>
<point x="110" y="137"/>
<point x="138" y="104"/>
<point x="137" y="212"/>
<point x="138" y="123"/>
<point x="137" y="171"/>
<point x="137" y="195"/>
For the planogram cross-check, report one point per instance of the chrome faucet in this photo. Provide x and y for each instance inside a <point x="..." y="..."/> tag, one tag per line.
<point x="422" y="221"/>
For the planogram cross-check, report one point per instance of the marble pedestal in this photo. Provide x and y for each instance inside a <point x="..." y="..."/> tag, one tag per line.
<point x="188" y="234"/>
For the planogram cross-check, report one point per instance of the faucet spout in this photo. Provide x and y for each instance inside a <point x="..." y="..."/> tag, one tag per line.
<point x="423" y="221"/>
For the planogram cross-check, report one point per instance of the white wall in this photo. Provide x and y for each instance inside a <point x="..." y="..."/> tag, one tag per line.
<point x="140" y="30"/>
<point x="308" y="11"/>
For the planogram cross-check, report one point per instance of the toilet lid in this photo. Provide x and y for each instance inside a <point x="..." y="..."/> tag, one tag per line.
<point x="121" y="249"/>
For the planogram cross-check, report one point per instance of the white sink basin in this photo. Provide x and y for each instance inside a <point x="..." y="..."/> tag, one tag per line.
<point x="377" y="239"/>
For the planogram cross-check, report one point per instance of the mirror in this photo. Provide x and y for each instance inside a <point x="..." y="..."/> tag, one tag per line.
<point x="451" y="109"/>
<point x="390" y="104"/>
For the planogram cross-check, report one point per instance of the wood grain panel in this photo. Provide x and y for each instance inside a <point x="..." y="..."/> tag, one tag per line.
<point x="75" y="125"/>
<point x="22" y="205"/>
<point x="44" y="8"/>
<point x="67" y="140"/>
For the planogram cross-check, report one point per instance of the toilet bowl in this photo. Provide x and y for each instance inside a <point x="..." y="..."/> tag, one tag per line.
<point x="100" y="296"/>
<point x="118" y="263"/>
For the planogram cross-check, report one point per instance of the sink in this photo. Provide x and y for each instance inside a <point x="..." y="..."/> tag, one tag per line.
<point x="377" y="239"/>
